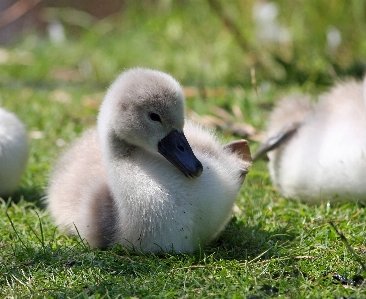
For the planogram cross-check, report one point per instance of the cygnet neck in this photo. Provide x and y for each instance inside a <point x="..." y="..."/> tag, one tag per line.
<point x="118" y="148"/>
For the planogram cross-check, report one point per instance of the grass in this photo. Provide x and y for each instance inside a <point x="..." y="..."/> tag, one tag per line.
<point x="272" y="248"/>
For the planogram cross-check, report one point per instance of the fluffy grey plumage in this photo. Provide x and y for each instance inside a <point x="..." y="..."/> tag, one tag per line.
<point x="125" y="183"/>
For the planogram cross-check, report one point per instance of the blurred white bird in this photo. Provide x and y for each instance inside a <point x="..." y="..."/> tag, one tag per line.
<point x="13" y="151"/>
<point x="317" y="152"/>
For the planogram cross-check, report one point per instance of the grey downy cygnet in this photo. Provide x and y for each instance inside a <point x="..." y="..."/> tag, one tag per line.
<point x="145" y="178"/>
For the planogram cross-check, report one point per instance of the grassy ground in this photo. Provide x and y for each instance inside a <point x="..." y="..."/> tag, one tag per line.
<point x="273" y="247"/>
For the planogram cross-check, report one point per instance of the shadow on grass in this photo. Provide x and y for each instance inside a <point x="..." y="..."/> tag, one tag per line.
<point x="243" y="242"/>
<point x="72" y="269"/>
<point x="33" y="195"/>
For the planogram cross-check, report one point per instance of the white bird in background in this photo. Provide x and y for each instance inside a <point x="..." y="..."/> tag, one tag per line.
<point x="317" y="152"/>
<point x="13" y="152"/>
<point x="144" y="178"/>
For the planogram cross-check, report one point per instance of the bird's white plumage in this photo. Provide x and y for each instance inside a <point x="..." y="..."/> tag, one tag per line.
<point x="113" y="186"/>
<point x="325" y="160"/>
<point x="13" y="151"/>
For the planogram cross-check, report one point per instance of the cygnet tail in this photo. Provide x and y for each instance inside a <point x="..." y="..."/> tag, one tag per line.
<point x="242" y="150"/>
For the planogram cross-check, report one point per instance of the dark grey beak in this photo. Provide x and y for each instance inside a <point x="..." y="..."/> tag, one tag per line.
<point x="175" y="148"/>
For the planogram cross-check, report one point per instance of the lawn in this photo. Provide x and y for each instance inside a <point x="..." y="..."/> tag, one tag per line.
<point x="273" y="247"/>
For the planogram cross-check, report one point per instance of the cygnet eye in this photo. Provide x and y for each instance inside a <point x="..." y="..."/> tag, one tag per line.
<point x="155" y="117"/>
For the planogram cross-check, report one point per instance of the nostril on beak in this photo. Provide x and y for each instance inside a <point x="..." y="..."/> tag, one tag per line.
<point x="181" y="148"/>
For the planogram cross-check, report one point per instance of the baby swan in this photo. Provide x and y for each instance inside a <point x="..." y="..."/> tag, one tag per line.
<point x="13" y="151"/>
<point x="319" y="151"/>
<point x="138" y="180"/>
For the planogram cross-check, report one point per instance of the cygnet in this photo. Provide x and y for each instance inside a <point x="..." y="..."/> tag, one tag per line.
<point x="13" y="152"/>
<point x="317" y="152"/>
<point x="145" y="178"/>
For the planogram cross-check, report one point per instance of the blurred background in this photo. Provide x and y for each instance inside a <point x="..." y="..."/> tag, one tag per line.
<point x="202" y="43"/>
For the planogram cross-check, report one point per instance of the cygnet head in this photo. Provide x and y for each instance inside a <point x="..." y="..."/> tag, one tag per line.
<point x="145" y="108"/>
